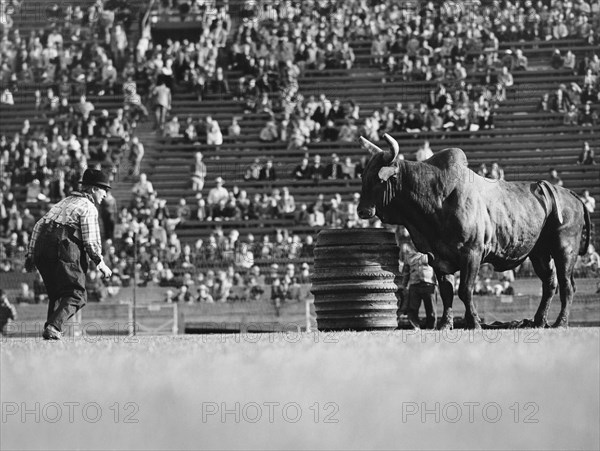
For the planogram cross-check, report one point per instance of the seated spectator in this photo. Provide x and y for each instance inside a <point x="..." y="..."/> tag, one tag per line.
<point x="348" y="168"/>
<point x="521" y="61"/>
<point x="348" y="131"/>
<point x="7" y="98"/>
<point x="569" y="61"/>
<point x="371" y="129"/>
<point x="459" y="72"/>
<point x="304" y="275"/>
<point x="557" y="61"/>
<point x="587" y="117"/>
<point x="302" y="171"/>
<point x="496" y="172"/>
<point x="171" y="129"/>
<point x="234" y="130"/>
<point x="183" y="212"/>
<point x="184" y="295"/>
<point x="214" y="136"/>
<point x="588" y="201"/>
<point x="219" y="85"/>
<point x="434" y="121"/>
<point x="334" y="169"/>
<point x="378" y="51"/>
<point x="587" y="155"/>
<point x="169" y="297"/>
<point x="330" y="132"/>
<point x="560" y="102"/>
<point x="269" y="133"/>
<point x="346" y="56"/>
<point x="143" y="187"/>
<point x="544" y="103"/>
<point x="267" y="172"/>
<point x="413" y="123"/>
<point x="554" y="178"/>
<point x="571" y="117"/>
<point x="204" y="295"/>
<point x="83" y="107"/>
<point x="200" y="213"/>
<point x="35" y="193"/>
<point x="590" y="78"/>
<point x="589" y="94"/>
<point x="190" y="133"/>
<point x="461" y="120"/>
<point x="254" y="288"/>
<point x="216" y="195"/>
<point x="505" y="78"/>
<point x="316" y="170"/>
<point x="424" y="151"/>
<point x="253" y="171"/>
<point x="486" y="119"/>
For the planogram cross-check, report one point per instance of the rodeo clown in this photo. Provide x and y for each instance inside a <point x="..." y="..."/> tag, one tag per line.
<point x="58" y="246"/>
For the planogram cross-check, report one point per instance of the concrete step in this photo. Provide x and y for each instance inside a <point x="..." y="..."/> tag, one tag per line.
<point x="123" y="183"/>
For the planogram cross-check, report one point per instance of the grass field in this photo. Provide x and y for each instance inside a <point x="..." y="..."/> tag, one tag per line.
<point x="399" y="390"/>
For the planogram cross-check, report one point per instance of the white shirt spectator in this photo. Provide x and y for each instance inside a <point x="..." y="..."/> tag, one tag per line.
<point x="214" y="137"/>
<point x="7" y="97"/>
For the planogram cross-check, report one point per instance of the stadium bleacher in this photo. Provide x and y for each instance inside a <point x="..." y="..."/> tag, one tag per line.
<point x="525" y="142"/>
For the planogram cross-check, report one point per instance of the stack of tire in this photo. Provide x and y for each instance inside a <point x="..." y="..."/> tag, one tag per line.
<point x="355" y="280"/>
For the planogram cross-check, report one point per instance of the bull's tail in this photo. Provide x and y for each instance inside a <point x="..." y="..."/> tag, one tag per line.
<point x="551" y="189"/>
<point x="587" y="230"/>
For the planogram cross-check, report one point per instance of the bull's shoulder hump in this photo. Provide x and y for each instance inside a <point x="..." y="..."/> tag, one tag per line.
<point x="449" y="157"/>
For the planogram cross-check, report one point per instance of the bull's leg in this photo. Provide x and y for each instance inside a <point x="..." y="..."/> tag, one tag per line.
<point x="446" y="283"/>
<point x="544" y="268"/>
<point x="468" y="274"/>
<point x="565" y="262"/>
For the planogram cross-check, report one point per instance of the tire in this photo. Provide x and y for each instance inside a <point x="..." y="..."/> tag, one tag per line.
<point x="356" y="237"/>
<point x="355" y="279"/>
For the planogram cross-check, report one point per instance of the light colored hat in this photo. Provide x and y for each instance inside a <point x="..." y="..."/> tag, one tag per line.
<point x="219" y="180"/>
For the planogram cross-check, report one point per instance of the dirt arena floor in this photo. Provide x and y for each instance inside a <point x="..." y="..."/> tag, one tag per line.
<point x="496" y="389"/>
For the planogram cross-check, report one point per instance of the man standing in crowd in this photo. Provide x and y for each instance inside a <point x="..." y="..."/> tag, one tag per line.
<point x="419" y="277"/>
<point x="162" y="103"/>
<point x="58" y="247"/>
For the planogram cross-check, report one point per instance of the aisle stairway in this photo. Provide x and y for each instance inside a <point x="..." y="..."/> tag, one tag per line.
<point x="123" y="182"/>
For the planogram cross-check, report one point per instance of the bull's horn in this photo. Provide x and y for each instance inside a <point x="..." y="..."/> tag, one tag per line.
<point x="395" y="148"/>
<point x="372" y="148"/>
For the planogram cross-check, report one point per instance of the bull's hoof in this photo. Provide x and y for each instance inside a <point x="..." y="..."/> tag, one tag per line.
<point x="446" y="324"/>
<point x="473" y="323"/>
<point x="561" y="323"/>
<point x="540" y="323"/>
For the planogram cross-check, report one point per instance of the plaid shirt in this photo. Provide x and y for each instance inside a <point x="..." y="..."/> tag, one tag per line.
<point x="79" y="212"/>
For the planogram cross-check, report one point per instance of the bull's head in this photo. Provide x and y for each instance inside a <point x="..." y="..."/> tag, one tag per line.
<point x="377" y="174"/>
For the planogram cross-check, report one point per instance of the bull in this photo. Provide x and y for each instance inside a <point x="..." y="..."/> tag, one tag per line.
<point x="462" y="220"/>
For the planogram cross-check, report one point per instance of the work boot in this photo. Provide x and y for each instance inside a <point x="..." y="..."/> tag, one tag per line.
<point x="413" y="320"/>
<point x="51" y="333"/>
<point x="430" y="323"/>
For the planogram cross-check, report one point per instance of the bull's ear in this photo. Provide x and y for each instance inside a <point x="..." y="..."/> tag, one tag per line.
<point x="395" y="147"/>
<point x="372" y="148"/>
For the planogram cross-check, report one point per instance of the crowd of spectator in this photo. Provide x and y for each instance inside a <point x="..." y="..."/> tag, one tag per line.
<point x="78" y="58"/>
<point x="81" y="54"/>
